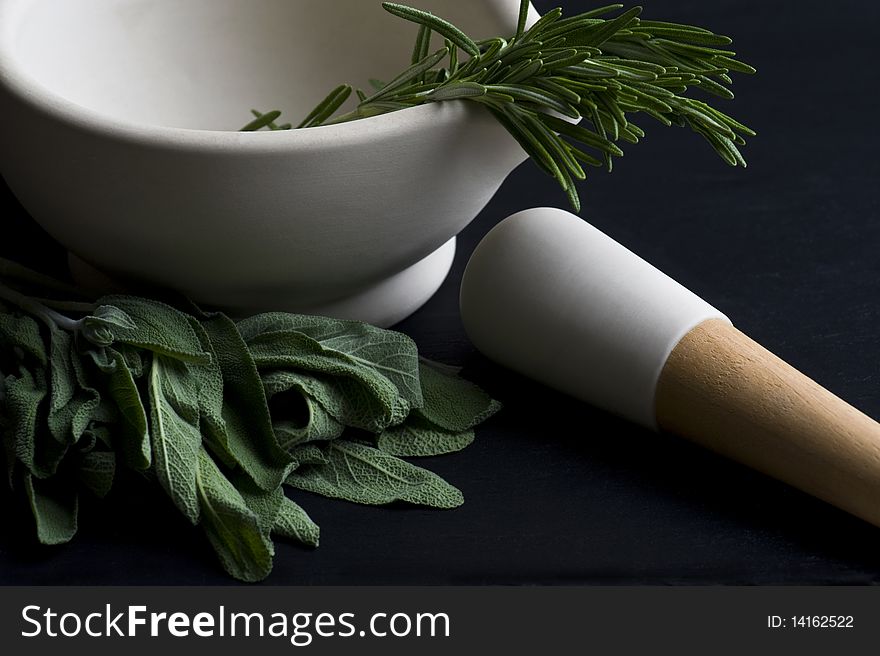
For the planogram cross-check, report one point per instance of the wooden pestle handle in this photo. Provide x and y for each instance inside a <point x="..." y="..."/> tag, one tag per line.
<point x="724" y="391"/>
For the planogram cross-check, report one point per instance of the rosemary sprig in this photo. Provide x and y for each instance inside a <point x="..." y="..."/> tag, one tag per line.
<point x="563" y="88"/>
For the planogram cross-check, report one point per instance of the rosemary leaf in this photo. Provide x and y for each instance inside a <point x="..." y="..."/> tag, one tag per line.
<point x="327" y="107"/>
<point x="459" y="90"/>
<point x="523" y="18"/>
<point x="423" y="45"/>
<point x="596" y="36"/>
<point x="442" y="27"/>
<point x="414" y="72"/>
<point x="261" y="121"/>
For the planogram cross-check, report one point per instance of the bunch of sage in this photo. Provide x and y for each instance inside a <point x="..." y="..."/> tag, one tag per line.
<point x="221" y="415"/>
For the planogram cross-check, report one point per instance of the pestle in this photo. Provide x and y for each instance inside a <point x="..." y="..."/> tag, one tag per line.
<point x="550" y="296"/>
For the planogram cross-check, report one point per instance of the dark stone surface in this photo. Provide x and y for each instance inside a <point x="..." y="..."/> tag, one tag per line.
<point x="558" y="493"/>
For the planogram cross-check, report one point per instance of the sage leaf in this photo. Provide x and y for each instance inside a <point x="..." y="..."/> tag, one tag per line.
<point x="293" y="523"/>
<point x="54" y="508"/>
<point x="105" y="411"/>
<point x="364" y="386"/>
<point x="245" y="410"/>
<point x="99" y="327"/>
<point x="318" y="421"/>
<point x="321" y="426"/>
<point x="362" y="474"/>
<point x="158" y="327"/>
<point x="136" y="361"/>
<point x="453" y="403"/>
<point x="96" y="472"/>
<point x="134" y="435"/>
<point x="24" y="333"/>
<point x="112" y="317"/>
<point x="34" y="446"/>
<point x="309" y="454"/>
<point x="23" y="395"/>
<point x="345" y="400"/>
<point x="265" y="505"/>
<point x="232" y="528"/>
<point x="418" y="437"/>
<point x="94" y="436"/>
<point x="174" y="430"/>
<point x="215" y="435"/>
<point x="387" y="352"/>
<point x="48" y="455"/>
<point x="72" y="401"/>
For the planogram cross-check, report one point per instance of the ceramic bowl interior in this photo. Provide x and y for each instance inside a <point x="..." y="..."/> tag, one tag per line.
<point x="203" y="64"/>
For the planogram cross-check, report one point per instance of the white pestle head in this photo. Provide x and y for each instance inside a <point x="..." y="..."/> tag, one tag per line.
<point x="550" y="296"/>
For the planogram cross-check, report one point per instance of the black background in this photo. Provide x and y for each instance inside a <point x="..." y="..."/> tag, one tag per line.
<point x="558" y="493"/>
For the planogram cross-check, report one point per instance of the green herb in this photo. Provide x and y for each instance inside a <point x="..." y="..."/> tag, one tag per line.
<point x="363" y="474"/>
<point x="220" y="415"/>
<point x="592" y="71"/>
